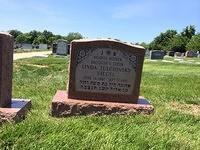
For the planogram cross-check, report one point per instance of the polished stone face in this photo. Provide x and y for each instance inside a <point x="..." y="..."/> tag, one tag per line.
<point x="105" y="70"/>
<point x="6" y="60"/>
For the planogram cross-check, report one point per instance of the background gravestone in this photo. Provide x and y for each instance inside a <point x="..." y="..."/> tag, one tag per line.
<point x="157" y="54"/>
<point x="68" y="48"/>
<point x="26" y="46"/>
<point x="54" y="48"/>
<point x="171" y="53"/>
<point x="10" y="109"/>
<point x="191" y="54"/>
<point x="178" y="54"/>
<point x="104" y="78"/>
<point x="42" y="46"/>
<point x="62" y="47"/>
<point x="147" y="53"/>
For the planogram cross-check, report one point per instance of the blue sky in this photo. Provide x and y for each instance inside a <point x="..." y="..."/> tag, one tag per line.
<point x="128" y="20"/>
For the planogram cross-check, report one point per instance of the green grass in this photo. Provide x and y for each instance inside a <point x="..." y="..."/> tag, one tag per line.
<point x="164" y="84"/>
<point x="19" y="50"/>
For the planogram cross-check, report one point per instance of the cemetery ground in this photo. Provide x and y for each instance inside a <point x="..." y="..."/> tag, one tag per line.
<point x="19" y="50"/>
<point x="173" y="89"/>
<point x="31" y="54"/>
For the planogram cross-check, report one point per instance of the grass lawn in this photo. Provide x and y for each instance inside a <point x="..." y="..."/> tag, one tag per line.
<point x="173" y="88"/>
<point x="19" y="50"/>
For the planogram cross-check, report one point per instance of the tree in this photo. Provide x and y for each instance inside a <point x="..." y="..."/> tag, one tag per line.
<point x="161" y="42"/>
<point x="189" y="31"/>
<point x="73" y="36"/>
<point x="194" y="43"/>
<point x="51" y="40"/>
<point x="40" y="39"/>
<point x="14" y="33"/>
<point x="57" y="37"/>
<point x="178" y="43"/>
<point x="47" y="35"/>
<point x="23" y="38"/>
<point x="34" y="35"/>
<point x="145" y="45"/>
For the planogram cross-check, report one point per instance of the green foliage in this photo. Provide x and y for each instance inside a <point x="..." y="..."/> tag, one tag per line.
<point x="45" y="37"/>
<point x="161" y="41"/>
<point x="73" y="36"/>
<point x="145" y="45"/>
<point x="168" y="40"/>
<point x="41" y="39"/>
<point x="15" y="33"/>
<point x="178" y="43"/>
<point x="48" y="37"/>
<point x="34" y="35"/>
<point x="23" y="38"/>
<point x="189" y="31"/>
<point x="194" y="43"/>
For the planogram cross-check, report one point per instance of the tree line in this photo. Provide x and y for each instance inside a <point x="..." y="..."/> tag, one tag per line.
<point x="171" y="40"/>
<point x="45" y="37"/>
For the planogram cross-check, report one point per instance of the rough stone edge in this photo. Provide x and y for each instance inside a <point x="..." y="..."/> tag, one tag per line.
<point x="15" y="114"/>
<point x="63" y="107"/>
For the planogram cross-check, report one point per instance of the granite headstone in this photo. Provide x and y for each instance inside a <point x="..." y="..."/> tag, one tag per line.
<point x="171" y="53"/>
<point x="62" y="47"/>
<point x="191" y="54"/>
<point x="42" y="46"/>
<point x="54" y="48"/>
<point x="102" y="73"/>
<point x="26" y="46"/>
<point x="157" y="54"/>
<point x="10" y="109"/>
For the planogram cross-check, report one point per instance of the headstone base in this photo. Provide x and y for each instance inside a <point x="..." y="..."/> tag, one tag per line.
<point x="62" y="106"/>
<point x="16" y="112"/>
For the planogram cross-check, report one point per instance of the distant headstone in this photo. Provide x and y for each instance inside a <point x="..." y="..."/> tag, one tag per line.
<point x="178" y="54"/>
<point x="54" y="48"/>
<point x="68" y="47"/>
<point x="104" y="78"/>
<point x="26" y="46"/>
<point x="42" y="46"/>
<point x="190" y="54"/>
<point x="171" y="53"/>
<point x="62" y="47"/>
<point x="10" y="110"/>
<point x="157" y="54"/>
<point x="147" y="53"/>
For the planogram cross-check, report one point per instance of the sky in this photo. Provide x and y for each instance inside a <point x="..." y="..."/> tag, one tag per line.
<point x="127" y="20"/>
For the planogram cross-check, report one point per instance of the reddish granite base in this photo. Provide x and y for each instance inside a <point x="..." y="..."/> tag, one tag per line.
<point x="62" y="106"/>
<point x="16" y="111"/>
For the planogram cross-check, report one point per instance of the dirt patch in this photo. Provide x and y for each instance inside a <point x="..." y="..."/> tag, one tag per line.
<point x="186" y="108"/>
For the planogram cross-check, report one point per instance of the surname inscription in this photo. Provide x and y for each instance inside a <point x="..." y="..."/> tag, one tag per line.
<point x="105" y="70"/>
